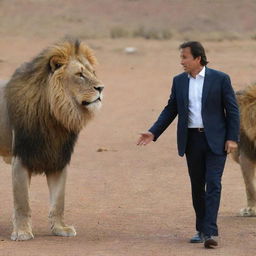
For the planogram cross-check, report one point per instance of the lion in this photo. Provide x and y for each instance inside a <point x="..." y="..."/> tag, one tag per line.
<point x="43" y="107"/>
<point x="246" y="153"/>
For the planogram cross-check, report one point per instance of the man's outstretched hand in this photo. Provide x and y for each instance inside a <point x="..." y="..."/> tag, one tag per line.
<point x="145" y="138"/>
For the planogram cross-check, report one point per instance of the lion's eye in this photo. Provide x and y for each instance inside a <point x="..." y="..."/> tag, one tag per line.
<point x="58" y="65"/>
<point x="80" y="74"/>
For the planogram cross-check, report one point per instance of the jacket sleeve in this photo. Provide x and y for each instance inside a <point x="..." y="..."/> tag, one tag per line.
<point x="167" y="115"/>
<point x="232" y="110"/>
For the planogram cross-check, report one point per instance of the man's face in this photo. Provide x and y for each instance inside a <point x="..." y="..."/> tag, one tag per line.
<point x="189" y="63"/>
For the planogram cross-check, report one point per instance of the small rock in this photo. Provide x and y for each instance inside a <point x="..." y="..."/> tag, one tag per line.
<point x="130" y="50"/>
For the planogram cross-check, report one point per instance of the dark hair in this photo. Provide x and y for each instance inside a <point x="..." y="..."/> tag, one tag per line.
<point x="197" y="50"/>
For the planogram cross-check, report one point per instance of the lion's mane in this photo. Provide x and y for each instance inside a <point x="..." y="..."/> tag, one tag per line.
<point x="247" y="107"/>
<point x="45" y="121"/>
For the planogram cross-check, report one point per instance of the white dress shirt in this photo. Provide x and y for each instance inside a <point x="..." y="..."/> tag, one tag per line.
<point x="195" y="100"/>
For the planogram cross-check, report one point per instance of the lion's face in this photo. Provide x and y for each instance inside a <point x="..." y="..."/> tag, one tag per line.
<point x="81" y="83"/>
<point x="74" y="91"/>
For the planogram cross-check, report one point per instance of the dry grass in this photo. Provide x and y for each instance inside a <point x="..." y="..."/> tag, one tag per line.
<point x="159" y="34"/>
<point x="118" y="32"/>
<point x="214" y="36"/>
<point x="253" y="37"/>
<point x="141" y="32"/>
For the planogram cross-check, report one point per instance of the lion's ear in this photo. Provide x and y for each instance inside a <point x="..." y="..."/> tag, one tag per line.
<point x="55" y="64"/>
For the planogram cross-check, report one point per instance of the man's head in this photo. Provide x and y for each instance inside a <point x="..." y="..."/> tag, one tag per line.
<point x="192" y="56"/>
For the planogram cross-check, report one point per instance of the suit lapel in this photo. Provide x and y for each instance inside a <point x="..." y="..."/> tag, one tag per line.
<point x="206" y="85"/>
<point x="185" y="90"/>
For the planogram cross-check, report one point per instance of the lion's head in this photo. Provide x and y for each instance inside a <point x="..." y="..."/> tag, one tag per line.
<point x="74" y="91"/>
<point x="62" y="81"/>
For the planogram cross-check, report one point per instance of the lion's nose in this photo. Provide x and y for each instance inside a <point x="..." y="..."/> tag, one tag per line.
<point x="99" y="88"/>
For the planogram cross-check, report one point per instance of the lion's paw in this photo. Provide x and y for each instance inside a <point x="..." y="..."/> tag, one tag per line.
<point x="248" y="212"/>
<point x="64" y="231"/>
<point x="21" y="235"/>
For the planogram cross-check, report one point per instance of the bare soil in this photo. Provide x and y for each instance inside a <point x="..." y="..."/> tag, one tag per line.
<point x="131" y="200"/>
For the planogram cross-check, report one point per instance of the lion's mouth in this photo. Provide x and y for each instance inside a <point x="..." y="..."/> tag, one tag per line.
<point x="86" y="103"/>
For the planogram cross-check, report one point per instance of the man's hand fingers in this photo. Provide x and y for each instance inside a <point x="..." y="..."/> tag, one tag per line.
<point x="140" y="141"/>
<point x="145" y="138"/>
<point x="230" y="146"/>
<point x="231" y="149"/>
<point x="145" y="141"/>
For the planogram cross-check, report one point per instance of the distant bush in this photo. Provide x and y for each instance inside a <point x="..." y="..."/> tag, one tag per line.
<point x="166" y="34"/>
<point x="152" y="33"/>
<point x="118" y="32"/>
<point x="139" y="32"/>
<point x="232" y="36"/>
<point x="253" y="37"/>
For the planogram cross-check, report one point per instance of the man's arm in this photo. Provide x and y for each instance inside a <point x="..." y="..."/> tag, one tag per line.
<point x="232" y="115"/>
<point x="167" y="115"/>
<point x="163" y="121"/>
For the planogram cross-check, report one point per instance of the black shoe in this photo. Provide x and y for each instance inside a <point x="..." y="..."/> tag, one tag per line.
<point x="197" y="238"/>
<point x="209" y="242"/>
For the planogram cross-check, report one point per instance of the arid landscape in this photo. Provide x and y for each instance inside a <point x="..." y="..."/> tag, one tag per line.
<point x="123" y="199"/>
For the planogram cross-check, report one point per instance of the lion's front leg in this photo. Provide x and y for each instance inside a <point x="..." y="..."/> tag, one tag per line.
<point x="56" y="183"/>
<point x="22" y="229"/>
<point x="248" y="171"/>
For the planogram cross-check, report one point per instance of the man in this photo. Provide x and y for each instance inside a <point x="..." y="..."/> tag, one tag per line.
<point x="208" y="129"/>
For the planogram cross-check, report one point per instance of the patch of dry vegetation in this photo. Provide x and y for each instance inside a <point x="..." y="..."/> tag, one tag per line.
<point x="141" y="32"/>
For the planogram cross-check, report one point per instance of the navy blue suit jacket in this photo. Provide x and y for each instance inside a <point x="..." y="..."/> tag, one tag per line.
<point x="220" y="112"/>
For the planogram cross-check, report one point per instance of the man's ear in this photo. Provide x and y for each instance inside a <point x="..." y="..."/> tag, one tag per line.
<point x="199" y="59"/>
<point x="55" y="63"/>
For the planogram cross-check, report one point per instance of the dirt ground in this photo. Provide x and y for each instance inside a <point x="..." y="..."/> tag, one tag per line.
<point x="131" y="200"/>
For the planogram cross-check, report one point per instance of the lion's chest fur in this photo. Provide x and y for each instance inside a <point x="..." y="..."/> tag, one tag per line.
<point x="44" y="149"/>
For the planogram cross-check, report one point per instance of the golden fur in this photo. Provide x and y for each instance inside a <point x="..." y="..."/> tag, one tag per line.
<point x="35" y="86"/>
<point x="48" y="104"/>
<point x="247" y="106"/>
<point x="246" y="153"/>
<point x="44" y="106"/>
